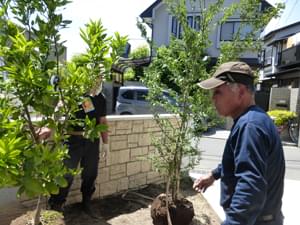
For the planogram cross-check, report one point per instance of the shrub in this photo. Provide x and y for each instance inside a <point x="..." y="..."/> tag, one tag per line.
<point x="129" y="74"/>
<point x="281" y="117"/>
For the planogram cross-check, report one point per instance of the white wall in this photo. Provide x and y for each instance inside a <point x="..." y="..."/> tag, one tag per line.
<point x="162" y="27"/>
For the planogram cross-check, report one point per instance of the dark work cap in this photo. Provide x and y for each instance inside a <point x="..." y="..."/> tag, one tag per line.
<point x="233" y="72"/>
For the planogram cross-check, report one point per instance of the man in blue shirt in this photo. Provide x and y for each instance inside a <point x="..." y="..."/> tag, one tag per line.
<point x="253" y="166"/>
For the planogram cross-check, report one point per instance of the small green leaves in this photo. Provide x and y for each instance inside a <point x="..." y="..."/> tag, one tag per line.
<point x="30" y="56"/>
<point x="178" y="68"/>
<point x="25" y="92"/>
<point x="103" y="51"/>
<point x="10" y="159"/>
<point x="92" y="129"/>
<point x="32" y="187"/>
<point x="281" y="117"/>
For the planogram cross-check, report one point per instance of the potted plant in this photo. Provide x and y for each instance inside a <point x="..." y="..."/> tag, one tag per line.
<point x="177" y="68"/>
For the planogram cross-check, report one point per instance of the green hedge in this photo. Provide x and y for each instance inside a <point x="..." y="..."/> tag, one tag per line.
<point x="281" y="117"/>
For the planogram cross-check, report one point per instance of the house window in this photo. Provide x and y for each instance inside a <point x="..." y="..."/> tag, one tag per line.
<point x="197" y="23"/>
<point x="193" y="21"/>
<point x="174" y="26"/>
<point x="268" y="56"/>
<point x="278" y="53"/>
<point x="230" y="28"/>
<point x="179" y="31"/>
<point x="227" y="31"/>
<point x="190" y="20"/>
<point x="261" y="56"/>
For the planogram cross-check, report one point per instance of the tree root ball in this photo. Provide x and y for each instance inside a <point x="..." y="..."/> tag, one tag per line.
<point x="181" y="211"/>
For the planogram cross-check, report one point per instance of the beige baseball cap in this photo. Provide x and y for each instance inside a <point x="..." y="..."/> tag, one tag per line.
<point x="233" y="72"/>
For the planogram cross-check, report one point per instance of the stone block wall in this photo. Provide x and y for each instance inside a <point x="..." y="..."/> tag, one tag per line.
<point x="294" y="100"/>
<point x="285" y="98"/>
<point x="126" y="166"/>
<point x="279" y="98"/>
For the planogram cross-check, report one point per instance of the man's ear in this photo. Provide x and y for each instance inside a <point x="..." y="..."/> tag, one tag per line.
<point x="242" y="90"/>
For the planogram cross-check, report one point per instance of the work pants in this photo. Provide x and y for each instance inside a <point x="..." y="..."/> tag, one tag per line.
<point x="85" y="152"/>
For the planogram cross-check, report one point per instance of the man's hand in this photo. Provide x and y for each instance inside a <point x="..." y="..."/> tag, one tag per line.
<point x="105" y="150"/>
<point x="201" y="184"/>
<point x="44" y="133"/>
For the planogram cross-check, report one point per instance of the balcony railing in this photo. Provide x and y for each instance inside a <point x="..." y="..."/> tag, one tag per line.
<point x="290" y="56"/>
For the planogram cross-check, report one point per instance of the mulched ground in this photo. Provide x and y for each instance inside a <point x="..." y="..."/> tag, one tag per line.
<point x="131" y="208"/>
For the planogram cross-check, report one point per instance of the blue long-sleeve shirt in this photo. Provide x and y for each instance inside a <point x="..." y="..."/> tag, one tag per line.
<point x="252" y="169"/>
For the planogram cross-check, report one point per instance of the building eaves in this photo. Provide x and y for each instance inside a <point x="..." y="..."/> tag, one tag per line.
<point x="287" y="33"/>
<point x="289" y="17"/>
<point x="147" y="13"/>
<point x="125" y="63"/>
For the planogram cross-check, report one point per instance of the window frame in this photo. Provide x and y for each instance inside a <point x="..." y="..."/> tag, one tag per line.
<point x="193" y="20"/>
<point x="236" y="25"/>
<point x="268" y="55"/>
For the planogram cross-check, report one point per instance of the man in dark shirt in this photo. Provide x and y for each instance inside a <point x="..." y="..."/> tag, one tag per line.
<point x="84" y="151"/>
<point x="253" y="166"/>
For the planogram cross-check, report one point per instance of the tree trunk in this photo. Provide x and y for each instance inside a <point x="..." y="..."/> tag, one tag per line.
<point x="37" y="214"/>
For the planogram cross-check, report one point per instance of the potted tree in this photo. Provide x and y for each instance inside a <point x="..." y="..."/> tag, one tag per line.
<point x="33" y="81"/>
<point x="177" y="68"/>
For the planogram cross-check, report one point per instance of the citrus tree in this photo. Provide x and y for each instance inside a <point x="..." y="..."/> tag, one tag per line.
<point x="178" y="68"/>
<point x="37" y="89"/>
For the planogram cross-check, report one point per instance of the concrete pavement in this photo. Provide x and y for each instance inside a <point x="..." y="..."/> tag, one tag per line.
<point x="291" y="197"/>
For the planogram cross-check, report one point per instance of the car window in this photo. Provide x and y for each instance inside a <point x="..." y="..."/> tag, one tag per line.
<point x="128" y="94"/>
<point x="169" y="98"/>
<point x="141" y="95"/>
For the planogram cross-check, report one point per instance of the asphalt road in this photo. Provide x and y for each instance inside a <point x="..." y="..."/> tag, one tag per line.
<point x="211" y="150"/>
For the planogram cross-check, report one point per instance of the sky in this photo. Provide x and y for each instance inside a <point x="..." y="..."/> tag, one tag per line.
<point x="273" y="2"/>
<point x="116" y="15"/>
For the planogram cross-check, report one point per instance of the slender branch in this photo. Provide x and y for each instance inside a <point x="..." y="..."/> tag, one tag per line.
<point x="167" y="200"/>
<point x="57" y="56"/>
<point x="31" y="126"/>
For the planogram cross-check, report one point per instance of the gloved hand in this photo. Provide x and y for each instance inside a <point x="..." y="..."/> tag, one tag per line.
<point x="105" y="150"/>
<point x="105" y="153"/>
<point x="43" y="133"/>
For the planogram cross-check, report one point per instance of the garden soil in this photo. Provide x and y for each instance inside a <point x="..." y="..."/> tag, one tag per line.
<point x="132" y="208"/>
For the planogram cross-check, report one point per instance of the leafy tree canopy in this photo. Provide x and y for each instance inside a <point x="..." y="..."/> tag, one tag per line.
<point x="39" y="90"/>
<point x="178" y="68"/>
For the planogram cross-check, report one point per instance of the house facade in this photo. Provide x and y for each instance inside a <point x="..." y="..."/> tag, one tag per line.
<point x="164" y="25"/>
<point x="280" y="59"/>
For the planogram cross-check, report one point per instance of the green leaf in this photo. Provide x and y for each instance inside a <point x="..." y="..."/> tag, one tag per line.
<point x="21" y="190"/>
<point x="32" y="186"/>
<point x="61" y="181"/>
<point x="52" y="188"/>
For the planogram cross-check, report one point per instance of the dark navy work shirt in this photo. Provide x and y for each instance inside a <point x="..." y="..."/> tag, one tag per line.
<point x="252" y="169"/>
<point x="92" y="106"/>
